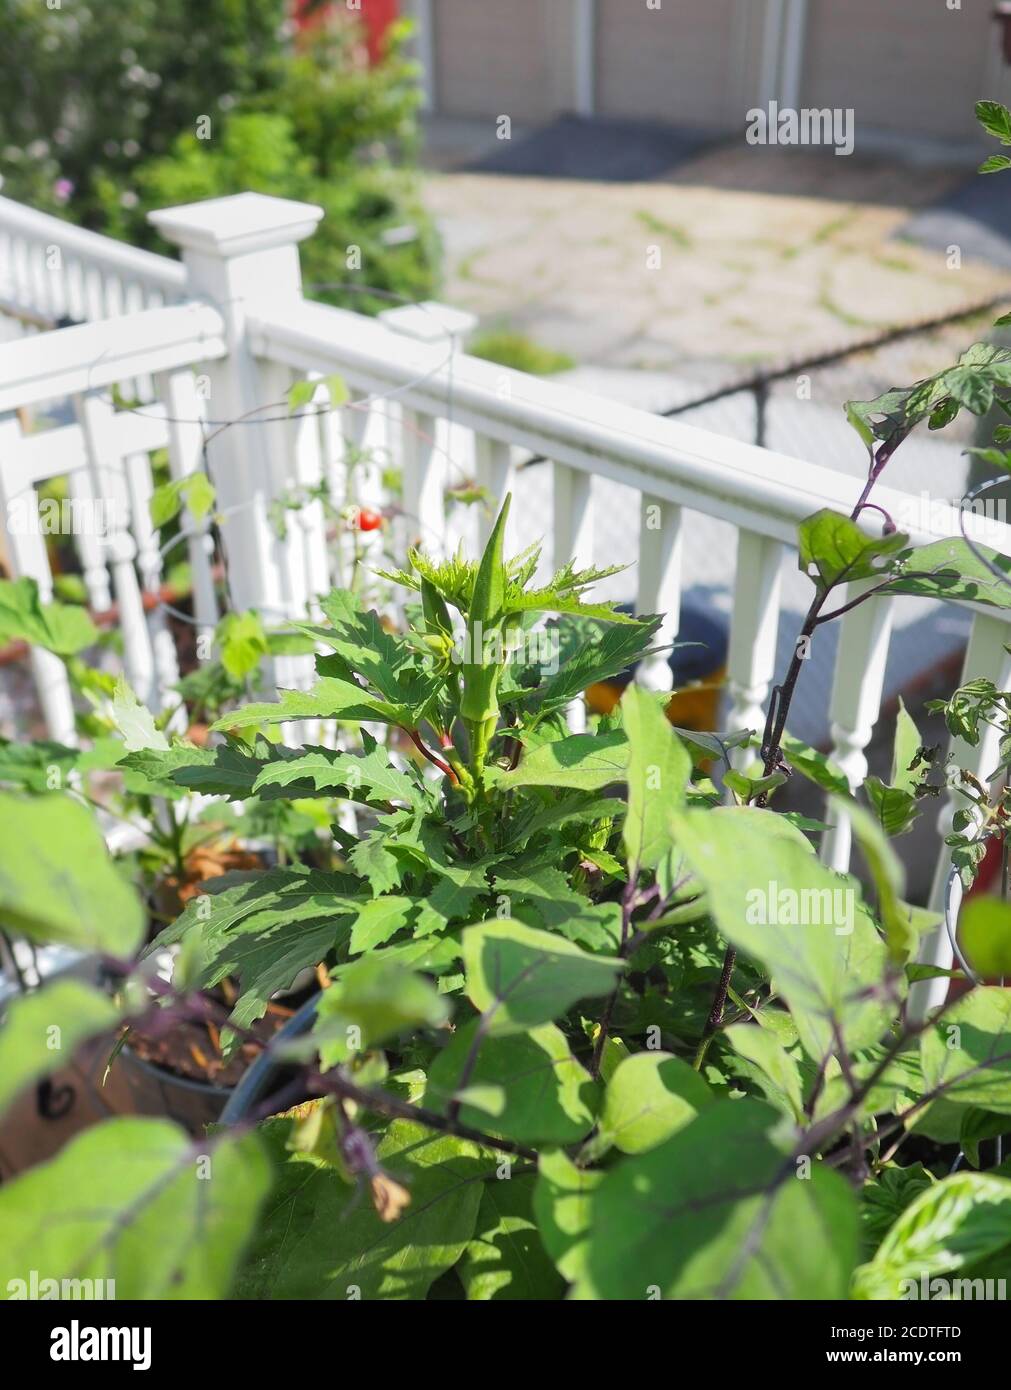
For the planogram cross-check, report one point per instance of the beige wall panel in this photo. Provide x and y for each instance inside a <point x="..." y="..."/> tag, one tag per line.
<point x="910" y="66"/>
<point x="681" y="63"/>
<point x="496" y="57"/>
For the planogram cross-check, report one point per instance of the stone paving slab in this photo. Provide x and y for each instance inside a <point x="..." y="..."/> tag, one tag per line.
<point x="741" y="257"/>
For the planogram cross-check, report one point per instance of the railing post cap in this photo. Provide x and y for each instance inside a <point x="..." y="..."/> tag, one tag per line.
<point x="238" y="225"/>
<point x="430" y="322"/>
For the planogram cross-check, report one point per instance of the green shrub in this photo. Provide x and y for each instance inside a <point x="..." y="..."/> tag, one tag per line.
<point x="103" y="109"/>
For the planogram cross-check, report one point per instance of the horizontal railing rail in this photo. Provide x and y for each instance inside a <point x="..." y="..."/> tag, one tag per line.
<point x="752" y="487"/>
<point x="94" y="355"/>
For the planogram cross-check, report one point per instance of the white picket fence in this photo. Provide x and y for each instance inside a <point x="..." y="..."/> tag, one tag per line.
<point x="221" y="359"/>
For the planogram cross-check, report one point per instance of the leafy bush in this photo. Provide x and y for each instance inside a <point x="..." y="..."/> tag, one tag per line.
<point x="105" y="106"/>
<point x="590" y="1025"/>
<point x="520" y="353"/>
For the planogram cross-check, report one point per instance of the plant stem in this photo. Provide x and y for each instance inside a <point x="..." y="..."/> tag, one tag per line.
<point x="443" y="767"/>
<point x="628" y="905"/>
<point x="383" y="1104"/>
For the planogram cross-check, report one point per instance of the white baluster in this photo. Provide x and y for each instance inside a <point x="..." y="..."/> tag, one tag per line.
<point x="754" y="626"/>
<point x="29" y="559"/>
<point x="149" y="562"/>
<point x="85" y="501"/>
<point x="985" y="657"/>
<point x="856" y="700"/>
<point x="308" y="469"/>
<point x="660" y="547"/>
<point x="573" y="540"/>
<point x="494" y="472"/>
<point x="106" y="467"/>
<point x="424" y="484"/>
<point x="178" y="390"/>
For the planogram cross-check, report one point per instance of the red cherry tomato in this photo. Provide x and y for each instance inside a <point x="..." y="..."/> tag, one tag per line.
<point x="368" y="520"/>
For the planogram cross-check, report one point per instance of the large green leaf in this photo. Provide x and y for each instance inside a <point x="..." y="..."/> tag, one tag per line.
<point x="134" y="720"/>
<point x="719" y="1211"/>
<point x="328" y="771"/>
<point x="584" y="761"/>
<point x="949" y="570"/>
<point x="379" y="919"/>
<point x="768" y="1062"/>
<point x="650" y="1096"/>
<point x="968" y="1051"/>
<point x="608" y="652"/>
<point x="563" y="1206"/>
<point x="522" y="1086"/>
<point x="659" y="767"/>
<point x="805" y="924"/>
<point x="544" y="888"/>
<point x="506" y="1259"/>
<point x="522" y="977"/>
<point x="984" y="929"/>
<point x="833" y="549"/>
<point x="817" y="767"/>
<point x="320" y="1239"/>
<point x="42" y="1030"/>
<point x="43" y="765"/>
<point x="330" y="698"/>
<point x="889" y="878"/>
<point x="57" y="882"/>
<point x="372" y="1000"/>
<point x="264" y="931"/>
<point x="137" y="1201"/>
<point x="59" y="627"/>
<point x="950" y="1226"/>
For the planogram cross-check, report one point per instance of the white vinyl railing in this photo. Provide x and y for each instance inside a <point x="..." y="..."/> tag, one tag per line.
<point x="247" y="334"/>
<point x="51" y="270"/>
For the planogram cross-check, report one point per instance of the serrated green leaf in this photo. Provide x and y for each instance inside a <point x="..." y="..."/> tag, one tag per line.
<point x="951" y="1225"/>
<point x="587" y="762"/>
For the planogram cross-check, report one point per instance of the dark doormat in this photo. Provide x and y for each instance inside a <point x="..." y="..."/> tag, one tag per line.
<point x="577" y="147"/>
<point x="975" y="216"/>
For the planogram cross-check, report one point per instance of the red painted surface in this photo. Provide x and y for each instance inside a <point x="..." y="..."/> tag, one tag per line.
<point x="375" y="15"/>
